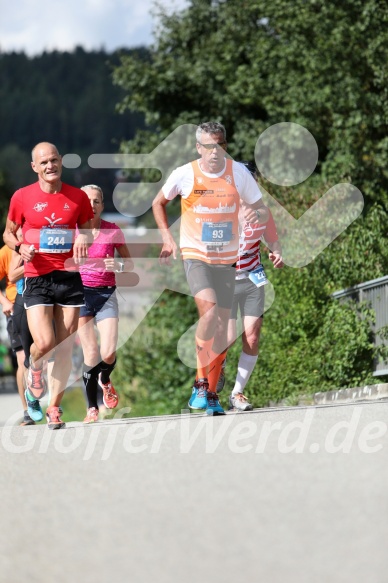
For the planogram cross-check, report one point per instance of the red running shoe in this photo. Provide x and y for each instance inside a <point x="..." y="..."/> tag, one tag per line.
<point x="54" y="420"/>
<point x="109" y="395"/>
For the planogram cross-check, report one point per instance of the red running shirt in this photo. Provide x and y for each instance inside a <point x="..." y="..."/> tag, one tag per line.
<point x="48" y="222"/>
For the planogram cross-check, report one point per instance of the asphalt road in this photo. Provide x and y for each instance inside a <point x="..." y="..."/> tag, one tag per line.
<point x="276" y="496"/>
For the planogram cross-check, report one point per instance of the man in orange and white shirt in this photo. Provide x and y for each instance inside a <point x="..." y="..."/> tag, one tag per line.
<point x="210" y="188"/>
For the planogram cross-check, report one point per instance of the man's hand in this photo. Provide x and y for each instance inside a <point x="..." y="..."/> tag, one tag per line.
<point x="168" y="249"/>
<point x="256" y="214"/>
<point x="262" y="214"/>
<point x="276" y="259"/>
<point x="7" y="306"/>
<point x="80" y="249"/>
<point x="27" y="252"/>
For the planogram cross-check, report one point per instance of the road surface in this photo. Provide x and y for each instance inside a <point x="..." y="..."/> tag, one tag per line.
<point x="290" y="495"/>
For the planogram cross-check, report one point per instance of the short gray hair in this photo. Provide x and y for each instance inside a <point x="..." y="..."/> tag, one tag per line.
<point x="210" y="127"/>
<point x="94" y="187"/>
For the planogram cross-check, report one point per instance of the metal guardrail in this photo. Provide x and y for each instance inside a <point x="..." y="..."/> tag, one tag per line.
<point x="375" y="292"/>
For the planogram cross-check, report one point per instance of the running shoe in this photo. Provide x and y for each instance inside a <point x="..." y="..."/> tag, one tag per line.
<point x="91" y="415"/>
<point x="109" y="395"/>
<point x="33" y="407"/>
<point x="239" y="402"/>
<point x="54" y="420"/>
<point x="36" y="383"/>
<point x="27" y="420"/>
<point x="213" y="404"/>
<point x="49" y="400"/>
<point x="198" y="399"/>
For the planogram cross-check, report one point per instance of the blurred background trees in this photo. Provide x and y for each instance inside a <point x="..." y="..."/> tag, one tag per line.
<point x="248" y="64"/>
<point x="65" y="98"/>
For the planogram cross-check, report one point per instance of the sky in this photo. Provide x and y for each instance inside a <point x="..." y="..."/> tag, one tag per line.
<point x="33" y="27"/>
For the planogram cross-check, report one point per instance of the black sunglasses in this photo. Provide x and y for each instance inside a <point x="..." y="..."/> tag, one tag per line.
<point x="212" y="146"/>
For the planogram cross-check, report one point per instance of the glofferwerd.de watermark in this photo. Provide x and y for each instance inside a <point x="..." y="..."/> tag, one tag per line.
<point x="238" y="433"/>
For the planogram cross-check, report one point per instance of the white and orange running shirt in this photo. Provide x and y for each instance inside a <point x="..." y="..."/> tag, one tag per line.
<point x="210" y="205"/>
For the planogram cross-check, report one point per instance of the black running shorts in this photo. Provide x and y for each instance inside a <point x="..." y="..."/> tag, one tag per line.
<point x="13" y="335"/>
<point x="63" y="288"/>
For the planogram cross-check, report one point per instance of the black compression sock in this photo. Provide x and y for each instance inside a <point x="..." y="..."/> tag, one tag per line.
<point x="105" y="370"/>
<point x="90" y="379"/>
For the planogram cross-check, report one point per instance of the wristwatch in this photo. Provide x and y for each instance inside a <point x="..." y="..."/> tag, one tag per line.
<point x="258" y="214"/>
<point x="121" y="268"/>
<point x="17" y="248"/>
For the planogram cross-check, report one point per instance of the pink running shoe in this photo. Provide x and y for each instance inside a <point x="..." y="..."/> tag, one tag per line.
<point x="91" y="415"/>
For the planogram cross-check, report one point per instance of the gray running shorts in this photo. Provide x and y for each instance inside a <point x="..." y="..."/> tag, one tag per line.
<point x="248" y="298"/>
<point x="221" y="278"/>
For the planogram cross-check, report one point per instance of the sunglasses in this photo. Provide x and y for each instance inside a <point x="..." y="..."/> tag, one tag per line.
<point x="212" y="146"/>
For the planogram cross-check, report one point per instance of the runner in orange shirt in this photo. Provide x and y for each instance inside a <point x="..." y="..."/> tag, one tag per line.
<point x="210" y="188"/>
<point x="7" y="301"/>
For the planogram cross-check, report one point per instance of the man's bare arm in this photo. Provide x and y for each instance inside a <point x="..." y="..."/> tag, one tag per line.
<point x="160" y="214"/>
<point x="9" y="235"/>
<point x="82" y="242"/>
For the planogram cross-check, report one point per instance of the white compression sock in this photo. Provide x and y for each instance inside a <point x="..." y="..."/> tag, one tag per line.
<point x="246" y="364"/>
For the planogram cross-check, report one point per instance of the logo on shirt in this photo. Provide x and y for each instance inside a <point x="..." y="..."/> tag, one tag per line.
<point x="66" y="207"/>
<point x="199" y="179"/>
<point x="40" y="206"/>
<point x="228" y="179"/>
<point x="52" y="220"/>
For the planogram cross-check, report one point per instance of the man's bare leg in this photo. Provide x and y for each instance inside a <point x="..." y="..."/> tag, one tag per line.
<point x="66" y="323"/>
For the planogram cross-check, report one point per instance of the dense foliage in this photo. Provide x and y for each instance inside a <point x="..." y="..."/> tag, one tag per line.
<point x="251" y="64"/>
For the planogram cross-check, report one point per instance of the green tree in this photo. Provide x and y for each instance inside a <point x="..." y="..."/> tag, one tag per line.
<point x="66" y="98"/>
<point x="311" y="342"/>
<point x="252" y="64"/>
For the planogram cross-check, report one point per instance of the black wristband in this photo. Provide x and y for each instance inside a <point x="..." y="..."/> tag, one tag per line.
<point x="17" y="248"/>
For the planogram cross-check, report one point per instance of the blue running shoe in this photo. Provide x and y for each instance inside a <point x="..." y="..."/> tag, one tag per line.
<point x="213" y="405"/>
<point x="198" y="399"/>
<point x="33" y="407"/>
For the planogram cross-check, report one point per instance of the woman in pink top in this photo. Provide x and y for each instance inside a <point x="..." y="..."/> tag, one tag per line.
<point x="101" y="307"/>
